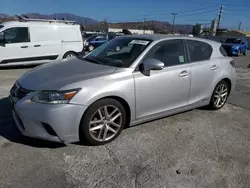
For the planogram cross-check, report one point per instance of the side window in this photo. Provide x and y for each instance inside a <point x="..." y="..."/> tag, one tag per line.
<point x="170" y="52"/>
<point x="99" y="39"/>
<point x="198" y="51"/>
<point x="223" y="51"/>
<point x="1" y="36"/>
<point x="16" y="35"/>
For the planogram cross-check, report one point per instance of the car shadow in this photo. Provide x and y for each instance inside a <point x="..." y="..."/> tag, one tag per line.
<point x="9" y="131"/>
<point x="19" y="67"/>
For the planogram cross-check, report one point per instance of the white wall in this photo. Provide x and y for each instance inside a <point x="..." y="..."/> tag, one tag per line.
<point x="133" y="31"/>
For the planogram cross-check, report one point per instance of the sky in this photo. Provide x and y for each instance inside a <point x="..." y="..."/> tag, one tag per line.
<point x="189" y="11"/>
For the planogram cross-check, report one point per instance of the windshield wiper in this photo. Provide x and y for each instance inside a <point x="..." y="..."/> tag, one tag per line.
<point x="92" y="60"/>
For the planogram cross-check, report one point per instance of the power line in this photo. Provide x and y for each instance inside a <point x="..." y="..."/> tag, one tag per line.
<point x="200" y="13"/>
<point x="186" y="11"/>
<point x="236" y="5"/>
<point x="197" y="9"/>
<point x="198" y="20"/>
<point x="235" y="10"/>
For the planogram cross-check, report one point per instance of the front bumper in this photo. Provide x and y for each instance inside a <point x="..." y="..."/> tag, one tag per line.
<point x="57" y="123"/>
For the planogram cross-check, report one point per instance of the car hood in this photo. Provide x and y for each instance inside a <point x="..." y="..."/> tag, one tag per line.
<point x="53" y="76"/>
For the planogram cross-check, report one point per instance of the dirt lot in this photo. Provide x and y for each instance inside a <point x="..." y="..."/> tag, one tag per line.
<point x="195" y="149"/>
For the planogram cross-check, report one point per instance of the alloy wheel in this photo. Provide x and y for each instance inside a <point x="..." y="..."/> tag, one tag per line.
<point x="220" y="96"/>
<point x="69" y="56"/>
<point x="105" y="123"/>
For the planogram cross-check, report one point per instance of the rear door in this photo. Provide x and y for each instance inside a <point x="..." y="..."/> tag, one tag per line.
<point x="204" y="71"/>
<point x="15" y="45"/>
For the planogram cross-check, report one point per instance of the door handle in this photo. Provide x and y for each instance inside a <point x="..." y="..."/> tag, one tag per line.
<point x="184" y="73"/>
<point x="214" y="67"/>
<point x="24" y="46"/>
<point x="37" y="45"/>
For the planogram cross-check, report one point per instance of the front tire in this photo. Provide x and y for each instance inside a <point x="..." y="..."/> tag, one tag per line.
<point x="238" y="53"/>
<point x="219" y="96"/>
<point x="91" y="48"/>
<point x="103" y="122"/>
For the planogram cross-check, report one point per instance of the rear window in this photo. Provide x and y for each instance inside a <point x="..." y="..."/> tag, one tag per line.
<point x="198" y="51"/>
<point x="222" y="51"/>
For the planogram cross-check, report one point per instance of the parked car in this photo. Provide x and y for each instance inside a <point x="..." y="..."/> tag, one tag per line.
<point x="126" y="81"/>
<point x="235" y="46"/>
<point x="38" y="41"/>
<point x="96" y="41"/>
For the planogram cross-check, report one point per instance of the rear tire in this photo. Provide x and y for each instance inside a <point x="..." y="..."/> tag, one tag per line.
<point x="69" y="55"/>
<point x="103" y="122"/>
<point x="245" y="53"/>
<point x="219" y="96"/>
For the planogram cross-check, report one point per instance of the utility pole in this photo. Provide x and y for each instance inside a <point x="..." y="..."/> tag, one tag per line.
<point x="106" y="28"/>
<point x="144" y="25"/>
<point x="174" y="14"/>
<point x="239" y="26"/>
<point x="153" y="28"/>
<point x="219" y="16"/>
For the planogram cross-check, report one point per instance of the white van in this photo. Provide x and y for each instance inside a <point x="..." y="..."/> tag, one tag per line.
<point x="30" y="41"/>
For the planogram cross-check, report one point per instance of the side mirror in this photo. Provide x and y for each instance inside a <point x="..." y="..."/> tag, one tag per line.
<point x="151" y="64"/>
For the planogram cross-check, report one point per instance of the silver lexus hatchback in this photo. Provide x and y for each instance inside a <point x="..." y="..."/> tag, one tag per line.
<point x="126" y="81"/>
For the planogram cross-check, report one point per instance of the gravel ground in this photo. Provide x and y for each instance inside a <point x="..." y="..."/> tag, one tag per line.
<point x="198" y="148"/>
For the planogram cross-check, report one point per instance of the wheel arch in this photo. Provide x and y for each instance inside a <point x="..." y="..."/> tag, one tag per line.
<point x="71" y="51"/>
<point x="119" y="99"/>
<point x="229" y="83"/>
<point x="227" y="80"/>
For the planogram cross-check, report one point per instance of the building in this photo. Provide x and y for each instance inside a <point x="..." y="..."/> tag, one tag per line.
<point x="133" y="31"/>
<point x="236" y="33"/>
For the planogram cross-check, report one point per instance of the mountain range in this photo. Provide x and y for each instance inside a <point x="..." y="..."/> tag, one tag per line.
<point x="157" y="26"/>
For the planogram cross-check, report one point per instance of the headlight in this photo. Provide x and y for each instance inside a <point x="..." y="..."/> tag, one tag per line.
<point x="54" y="97"/>
<point x="236" y="47"/>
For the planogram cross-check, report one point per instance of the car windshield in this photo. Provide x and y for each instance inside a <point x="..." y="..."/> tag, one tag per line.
<point x="233" y="40"/>
<point x="119" y="52"/>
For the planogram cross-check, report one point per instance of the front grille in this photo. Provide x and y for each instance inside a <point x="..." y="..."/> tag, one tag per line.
<point x="21" y="93"/>
<point x="18" y="91"/>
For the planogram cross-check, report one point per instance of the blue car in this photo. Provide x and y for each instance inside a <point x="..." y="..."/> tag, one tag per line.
<point x="96" y="41"/>
<point x="235" y="46"/>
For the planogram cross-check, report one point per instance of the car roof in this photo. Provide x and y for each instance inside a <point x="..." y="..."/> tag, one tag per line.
<point x="161" y="37"/>
<point x="28" y="23"/>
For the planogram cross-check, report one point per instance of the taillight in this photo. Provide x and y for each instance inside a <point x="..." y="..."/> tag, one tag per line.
<point x="232" y="63"/>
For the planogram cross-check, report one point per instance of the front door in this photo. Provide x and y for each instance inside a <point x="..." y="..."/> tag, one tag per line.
<point x="166" y="89"/>
<point x="15" y="45"/>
